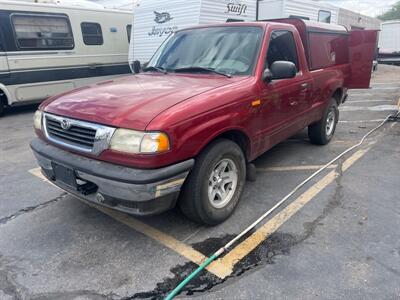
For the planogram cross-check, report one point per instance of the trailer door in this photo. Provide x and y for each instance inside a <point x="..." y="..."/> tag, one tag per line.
<point x="362" y="48"/>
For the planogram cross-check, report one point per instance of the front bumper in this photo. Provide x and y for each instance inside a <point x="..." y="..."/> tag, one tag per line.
<point x="135" y="191"/>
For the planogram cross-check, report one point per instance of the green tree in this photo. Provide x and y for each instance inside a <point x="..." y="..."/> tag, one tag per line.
<point x="391" y="14"/>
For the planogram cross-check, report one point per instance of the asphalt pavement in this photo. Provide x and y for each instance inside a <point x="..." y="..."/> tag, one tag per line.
<point x="337" y="238"/>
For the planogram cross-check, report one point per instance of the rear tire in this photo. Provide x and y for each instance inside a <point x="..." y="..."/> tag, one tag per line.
<point x="321" y="133"/>
<point x="215" y="184"/>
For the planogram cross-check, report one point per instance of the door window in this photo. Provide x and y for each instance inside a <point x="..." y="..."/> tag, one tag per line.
<point x="282" y="47"/>
<point x="41" y="32"/>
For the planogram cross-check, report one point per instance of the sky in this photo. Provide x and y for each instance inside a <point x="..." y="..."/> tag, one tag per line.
<point x="371" y="8"/>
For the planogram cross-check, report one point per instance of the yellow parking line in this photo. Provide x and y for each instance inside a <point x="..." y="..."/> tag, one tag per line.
<point x="294" y="168"/>
<point x="179" y="247"/>
<point x="36" y="172"/>
<point x="248" y="245"/>
<point x="223" y="267"/>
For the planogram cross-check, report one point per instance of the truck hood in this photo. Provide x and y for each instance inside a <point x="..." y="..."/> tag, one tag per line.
<point x="132" y="101"/>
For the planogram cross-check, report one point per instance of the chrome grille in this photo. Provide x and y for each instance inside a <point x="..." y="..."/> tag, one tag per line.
<point x="77" y="135"/>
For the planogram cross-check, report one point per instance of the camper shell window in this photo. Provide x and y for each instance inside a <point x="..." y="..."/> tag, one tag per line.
<point x="91" y="33"/>
<point x="327" y="49"/>
<point x="282" y="47"/>
<point x="42" y="32"/>
<point x="324" y="16"/>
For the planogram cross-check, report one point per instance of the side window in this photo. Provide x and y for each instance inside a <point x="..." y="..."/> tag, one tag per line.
<point x="41" y="32"/>
<point x="282" y="47"/>
<point x="324" y="16"/>
<point x="92" y="34"/>
<point x="128" y="31"/>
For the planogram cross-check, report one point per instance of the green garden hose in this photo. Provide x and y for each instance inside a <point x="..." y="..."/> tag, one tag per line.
<point x="192" y="275"/>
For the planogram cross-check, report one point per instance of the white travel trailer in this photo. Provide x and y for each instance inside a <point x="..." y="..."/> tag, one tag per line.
<point x="47" y="49"/>
<point x="155" y="20"/>
<point x="304" y="9"/>
<point x="315" y="11"/>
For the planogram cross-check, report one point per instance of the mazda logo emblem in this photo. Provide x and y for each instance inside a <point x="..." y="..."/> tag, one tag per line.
<point x="65" y="124"/>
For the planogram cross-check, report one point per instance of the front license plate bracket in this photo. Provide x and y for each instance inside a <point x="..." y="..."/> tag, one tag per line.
<point x="65" y="175"/>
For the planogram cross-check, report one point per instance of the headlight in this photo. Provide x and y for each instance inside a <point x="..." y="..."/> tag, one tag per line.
<point x="37" y="120"/>
<point x="131" y="141"/>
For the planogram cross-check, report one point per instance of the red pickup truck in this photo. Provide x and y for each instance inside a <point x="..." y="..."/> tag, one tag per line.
<point x="185" y="128"/>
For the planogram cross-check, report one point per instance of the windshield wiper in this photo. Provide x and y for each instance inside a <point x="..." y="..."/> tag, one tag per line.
<point x="198" y="68"/>
<point x="154" y="68"/>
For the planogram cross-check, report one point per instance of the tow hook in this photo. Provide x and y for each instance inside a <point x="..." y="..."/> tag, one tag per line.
<point x="87" y="188"/>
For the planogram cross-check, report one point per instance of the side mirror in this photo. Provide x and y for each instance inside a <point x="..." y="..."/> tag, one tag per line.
<point x="136" y="67"/>
<point x="280" y="70"/>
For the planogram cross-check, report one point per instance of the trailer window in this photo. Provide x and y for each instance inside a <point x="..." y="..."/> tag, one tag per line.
<point x="91" y="33"/>
<point x="282" y="47"/>
<point x="39" y="32"/>
<point x="324" y="16"/>
<point x="128" y="31"/>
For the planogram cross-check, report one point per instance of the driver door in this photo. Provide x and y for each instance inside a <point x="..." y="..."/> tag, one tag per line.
<point x="286" y="100"/>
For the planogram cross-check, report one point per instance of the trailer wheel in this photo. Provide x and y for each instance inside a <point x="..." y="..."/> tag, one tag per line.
<point x="215" y="185"/>
<point x="321" y="133"/>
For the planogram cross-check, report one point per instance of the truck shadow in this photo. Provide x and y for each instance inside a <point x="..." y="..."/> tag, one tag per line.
<point x="19" y="110"/>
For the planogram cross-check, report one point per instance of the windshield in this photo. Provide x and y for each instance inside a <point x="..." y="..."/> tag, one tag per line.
<point x="230" y="50"/>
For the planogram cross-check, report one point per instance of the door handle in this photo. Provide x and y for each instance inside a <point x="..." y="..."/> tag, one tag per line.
<point x="293" y="103"/>
<point x="304" y="86"/>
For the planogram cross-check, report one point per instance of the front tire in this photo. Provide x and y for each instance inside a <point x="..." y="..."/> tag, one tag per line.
<point x="215" y="185"/>
<point x="322" y="132"/>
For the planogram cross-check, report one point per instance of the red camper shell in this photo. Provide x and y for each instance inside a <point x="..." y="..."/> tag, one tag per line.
<point x="329" y="45"/>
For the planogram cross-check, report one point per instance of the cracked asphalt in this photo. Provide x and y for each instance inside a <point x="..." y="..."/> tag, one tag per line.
<point x="343" y="244"/>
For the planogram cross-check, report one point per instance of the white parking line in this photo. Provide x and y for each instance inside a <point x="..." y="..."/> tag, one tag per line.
<point x="386" y="88"/>
<point x="361" y="121"/>
<point x="294" y="168"/>
<point x="366" y="101"/>
<point x="369" y="108"/>
<point x="386" y="83"/>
